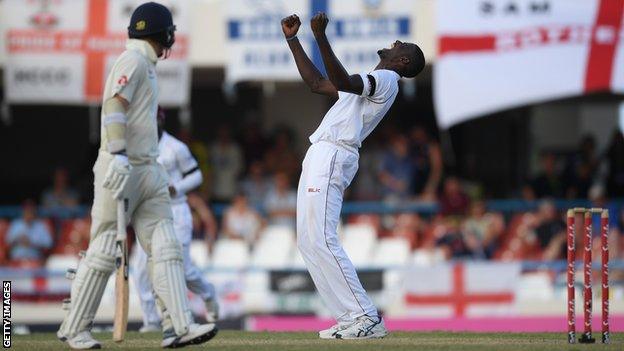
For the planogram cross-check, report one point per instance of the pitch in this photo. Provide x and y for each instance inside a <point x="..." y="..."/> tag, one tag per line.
<point x="264" y="341"/>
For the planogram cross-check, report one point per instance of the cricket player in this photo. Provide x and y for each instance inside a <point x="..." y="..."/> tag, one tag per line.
<point x="126" y="169"/>
<point x="331" y="163"/>
<point x="184" y="176"/>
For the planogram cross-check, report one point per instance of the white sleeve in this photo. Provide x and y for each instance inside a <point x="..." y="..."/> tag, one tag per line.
<point x="379" y="85"/>
<point x="185" y="160"/>
<point x="191" y="174"/>
<point x="127" y="74"/>
<point x="190" y="181"/>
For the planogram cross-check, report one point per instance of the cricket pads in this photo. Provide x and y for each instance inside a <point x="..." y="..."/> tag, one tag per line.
<point x="168" y="276"/>
<point x="89" y="284"/>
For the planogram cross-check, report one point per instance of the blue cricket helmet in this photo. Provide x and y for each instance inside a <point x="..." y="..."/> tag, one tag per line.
<point x="155" y="21"/>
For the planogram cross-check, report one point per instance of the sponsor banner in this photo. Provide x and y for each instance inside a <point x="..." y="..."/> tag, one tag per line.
<point x="357" y="29"/>
<point x="463" y="286"/>
<point x="299" y="281"/>
<point x="61" y="51"/>
<point x="498" y="54"/>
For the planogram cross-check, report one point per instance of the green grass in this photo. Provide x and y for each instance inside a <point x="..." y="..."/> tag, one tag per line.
<point x="264" y="341"/>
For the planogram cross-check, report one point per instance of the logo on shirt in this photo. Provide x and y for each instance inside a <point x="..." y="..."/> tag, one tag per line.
<point x="122" y="81"/>
<point x="314" y="190"/>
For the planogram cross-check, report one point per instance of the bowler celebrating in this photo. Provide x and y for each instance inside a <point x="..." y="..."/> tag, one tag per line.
<point x="331" y="163"/>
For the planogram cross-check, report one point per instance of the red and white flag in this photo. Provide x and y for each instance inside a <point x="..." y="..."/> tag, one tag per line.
<point x="498" y="54"/>
<point x="60" y="51"/>
<point x="462" y="289"/>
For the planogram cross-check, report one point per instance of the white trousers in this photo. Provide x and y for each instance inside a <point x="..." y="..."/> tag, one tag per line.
<point x="327" y="171"/>
<point x="195" y="282"/>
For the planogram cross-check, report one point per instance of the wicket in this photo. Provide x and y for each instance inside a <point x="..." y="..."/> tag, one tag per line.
<point x="586" y="233"/>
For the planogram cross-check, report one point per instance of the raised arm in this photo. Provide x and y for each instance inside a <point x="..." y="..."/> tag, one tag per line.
<point x="336" y="73"/>
<point x="310" y="74"/>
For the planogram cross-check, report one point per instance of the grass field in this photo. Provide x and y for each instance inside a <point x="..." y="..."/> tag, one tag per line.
<point x="239" y="340"/>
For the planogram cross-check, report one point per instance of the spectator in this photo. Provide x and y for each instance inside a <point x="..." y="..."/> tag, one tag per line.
<point x="254" y="144"/>
<point x="581" y="168"/>
<point x="616" y="242"/>
<point x="550" y="232"/>
<point x="281" y="202"/>
<point x="615" y="160"/>
<point x="587" y="152"/>
<point x="241" y="221"/>
<point x="28" y="237"/>
<point x="450" y="239"/>
<point x="78" y="238"/>
<point x="482" y="230"/>
<point x="366" y="184"/>
<point x="255" y="185"/>
<point x="548" y="182"/>
<point x="580" y="183"/>
<point x="428" y="162"/>
<point x="407" y="226"/>
<point x="226" y="165"/>
<point x="397" y="170"/>
<point x="281" y="157"/>
<point x="453" y="200"/>
<point x="60" y="194"/>
<point x="527" y="193"/>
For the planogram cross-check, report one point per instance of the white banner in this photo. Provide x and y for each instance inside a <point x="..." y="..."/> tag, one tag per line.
<point x="498" y="54"/>
<point x="357" y="29"/>
<point x="60" y="51"/>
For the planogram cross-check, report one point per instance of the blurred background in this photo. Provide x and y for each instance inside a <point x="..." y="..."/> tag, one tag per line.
<point x="456" y="218"/>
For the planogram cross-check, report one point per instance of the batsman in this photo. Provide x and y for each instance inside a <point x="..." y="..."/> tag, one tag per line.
<point x="126" y="170"/>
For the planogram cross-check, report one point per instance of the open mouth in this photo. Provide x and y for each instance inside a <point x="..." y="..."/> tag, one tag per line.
<point x="392" y="46"/>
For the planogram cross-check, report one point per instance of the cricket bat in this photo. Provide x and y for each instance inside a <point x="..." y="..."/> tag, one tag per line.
<point x="120" y="324"/>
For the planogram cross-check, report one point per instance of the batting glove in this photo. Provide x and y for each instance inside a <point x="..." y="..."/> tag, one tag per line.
<point x="117" y="175"/>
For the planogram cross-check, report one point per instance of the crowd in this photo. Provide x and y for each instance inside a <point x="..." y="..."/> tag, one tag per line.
<point x="256" y="176"/>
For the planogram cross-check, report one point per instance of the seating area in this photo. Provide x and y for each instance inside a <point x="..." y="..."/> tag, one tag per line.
<point x="370" y="240"/>
<point x="275" y="249"/>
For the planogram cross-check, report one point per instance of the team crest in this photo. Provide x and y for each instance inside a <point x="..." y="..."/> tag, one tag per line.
<point x="140" y="25"/>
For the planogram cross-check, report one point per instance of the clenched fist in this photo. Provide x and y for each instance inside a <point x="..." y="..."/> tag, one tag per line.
<point x="290" y="25"/>
<point x="318" y="23"/>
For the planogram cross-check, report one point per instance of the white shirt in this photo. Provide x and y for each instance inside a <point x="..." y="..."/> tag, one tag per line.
<point x="176" y="157"/>
<point x="279" y="202"/>
<point x="227" y="163"/>
<point x="133" y="77"/>
<point x="244" y="224"/>
<point x="353" y="117"/>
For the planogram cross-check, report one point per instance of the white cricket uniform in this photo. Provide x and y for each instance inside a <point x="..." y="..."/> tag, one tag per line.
<point x="328" y="168"/>
<point x="133" y="77"/>
<point x="184" y="175"/>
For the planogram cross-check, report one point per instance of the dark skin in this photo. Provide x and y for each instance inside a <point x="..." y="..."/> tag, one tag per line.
<point x="397" y="58"/>
<point x="310" y="74"/>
